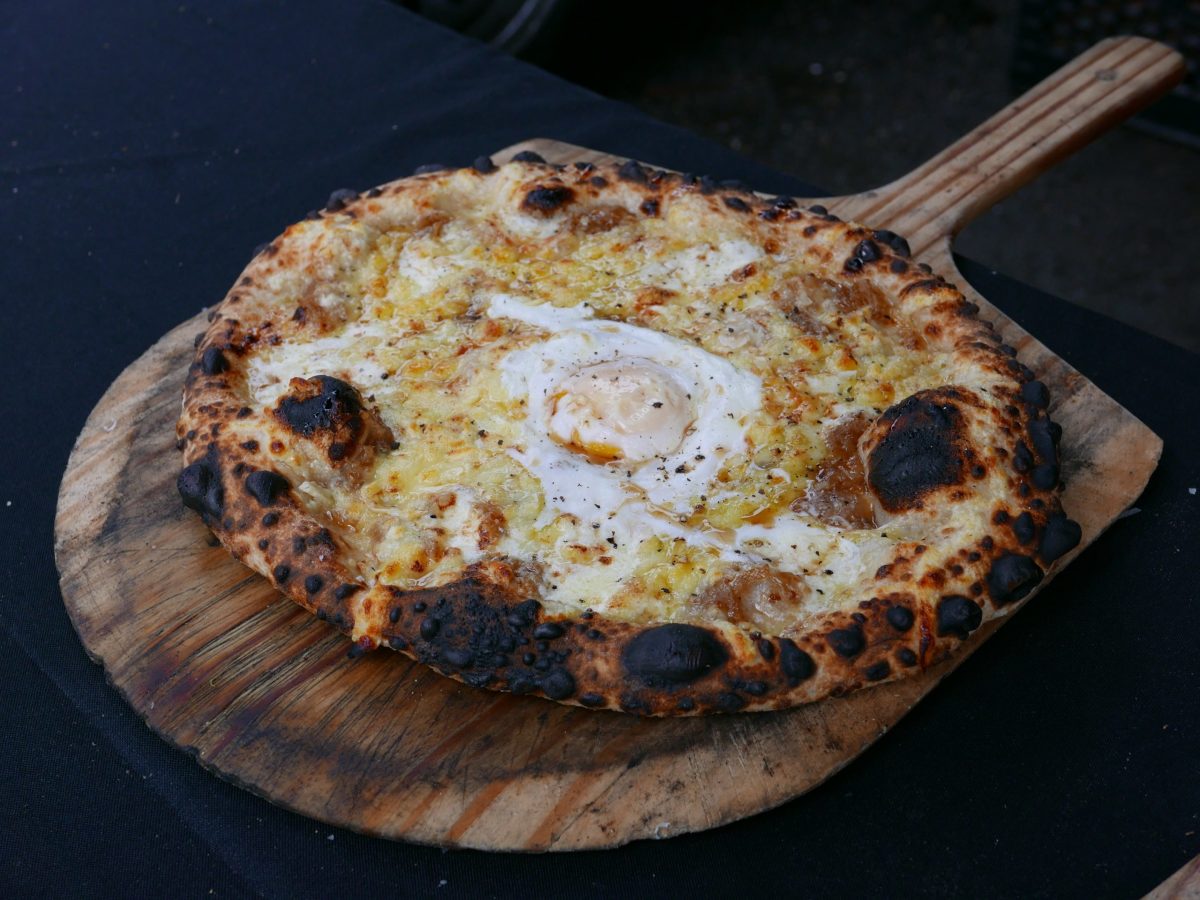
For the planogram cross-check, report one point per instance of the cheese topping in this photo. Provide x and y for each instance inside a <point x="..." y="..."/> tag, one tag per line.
<point x="639" y="411"/>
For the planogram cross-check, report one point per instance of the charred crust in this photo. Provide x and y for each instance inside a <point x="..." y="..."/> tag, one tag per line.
<point x="1011" y="577"/>
<point x="282" y="573"/>
<point x="1023" y="528"/>
<point x="213" y="362"/>
<point x="200" y="488"/>
<point x="906" y="657"/>
<point x="339" y="199"/>
<point x="558" y="684"/>
<point x="1036" y="394"/>
<point x="1045" y="476"/>
<point x="920" y="451"/>
<point x="958" y="616"/>
<point x="528" y="156"/>
<point x="877" y="671"/>
<point x="900" y="617"/>
<point x="547" y="199"/>
<point x="669" y="656"/>
<point x="484" y="165"/>
<point x="313" y="584"/>
<point x="265" y="486"/>
<point x="333" y="400"/>
<point x="846" y="642"/>
<point x="1059" y="536"/>
<point x="430" y="168"/>
<point x="633" y="171"/>
<point x="796" y="665"/>
<point x="736" y="203"/>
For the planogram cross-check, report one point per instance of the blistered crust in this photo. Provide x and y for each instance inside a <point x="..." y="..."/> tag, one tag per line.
<point x="926" y="453"/>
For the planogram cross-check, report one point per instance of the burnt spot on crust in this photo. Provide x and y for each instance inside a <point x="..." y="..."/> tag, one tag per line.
<point x="669" y="656"/>
<point x="1060" y="536"/>
<point x="213" y="362"/>
<point x="634" y="171"/>
<point x="898" y="244"/>
<point x="846" y="642"/>
<point x="331" y="412"/>
<point x="796" y="665"/>
<point x="528" y="156"/>
<point x="546" y="199"/>
<point x="199" y="486"/>
<point x="1035" y="393"/>
<point x="1045" y="476"/>
<point x="483" y="165"/>
<point x="338" y="199"/>
<point x="319" y="403"/>
<point x="920" y="451"/>
<point x="265" y="485"/>
<point x="878" y="671"/>
<point x="1044" y="435"/>
<point x="1023" y="528"/>
<point x="1012" y="577"/>
<point x="430" y="168"/>
<point x="900" y="617"/>
<point x="958" y="615"/>
<point x="736" y="203"/>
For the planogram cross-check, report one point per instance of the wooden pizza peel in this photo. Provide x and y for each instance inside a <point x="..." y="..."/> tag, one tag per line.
<point x="264" y="695"/>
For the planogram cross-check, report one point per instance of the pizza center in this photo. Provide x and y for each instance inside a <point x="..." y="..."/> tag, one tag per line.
<point x="628" y="409"/>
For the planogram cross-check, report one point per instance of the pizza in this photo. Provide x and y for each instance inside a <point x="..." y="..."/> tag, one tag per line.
<point x="622" y="438"/>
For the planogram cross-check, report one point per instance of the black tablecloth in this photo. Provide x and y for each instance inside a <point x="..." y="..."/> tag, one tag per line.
<point x="147" y="147"/>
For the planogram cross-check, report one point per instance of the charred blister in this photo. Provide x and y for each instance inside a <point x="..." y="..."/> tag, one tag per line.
<point x="1011" y="578"/>
<point x="632" y="170"/>
<point x="546" y="199"/>
<point x="213" y="361"/>
<point x="920" y="449"/>
<point x="958" y="616"/>
<point x="1036" y="394"/>
<point x="846" y="642"/>
<point x="340" y="198"/>
<point x="900" y="617"/>
<point x="483" y="165"/>
<point x="1023" y="528"/>
<point x="736" y="203"/>
<point x="1042" y="433"/>
<point x="430" y="168"/>
<point x="796" y="664"/>
<point x="557" y="684"/>
<point x="331" y="412"/>
<point x="668" y="656"/>
<point x="1059" y="536"/>
<point x="878" y="671"/>
<point x="199" y="485"/>
<point x="265" y="486"/>
<point x="528" y="156"/>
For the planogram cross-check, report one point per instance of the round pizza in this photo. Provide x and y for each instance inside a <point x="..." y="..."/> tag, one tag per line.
<point x="622" y="438"/>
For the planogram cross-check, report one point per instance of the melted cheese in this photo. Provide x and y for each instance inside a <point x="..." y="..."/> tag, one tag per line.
<point x="475" y="339"/>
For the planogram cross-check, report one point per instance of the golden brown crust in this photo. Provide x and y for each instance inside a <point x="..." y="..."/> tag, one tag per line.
<point x="923" y="455"/>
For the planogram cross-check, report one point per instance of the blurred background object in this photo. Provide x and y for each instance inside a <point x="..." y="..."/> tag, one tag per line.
<point x="853" y="96"/>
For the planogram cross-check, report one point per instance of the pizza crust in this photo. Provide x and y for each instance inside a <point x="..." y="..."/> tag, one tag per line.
<point x="255" y="472"/>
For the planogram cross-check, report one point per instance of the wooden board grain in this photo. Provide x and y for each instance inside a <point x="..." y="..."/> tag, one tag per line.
<point x="264" y="695"/>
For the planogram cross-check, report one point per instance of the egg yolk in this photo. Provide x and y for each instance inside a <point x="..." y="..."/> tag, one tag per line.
<point x="627" y="409"/>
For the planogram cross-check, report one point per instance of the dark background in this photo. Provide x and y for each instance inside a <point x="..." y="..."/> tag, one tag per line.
<point x="145" y="148"/>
